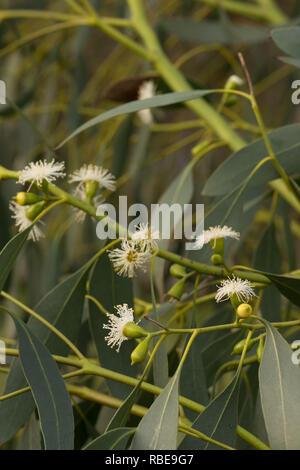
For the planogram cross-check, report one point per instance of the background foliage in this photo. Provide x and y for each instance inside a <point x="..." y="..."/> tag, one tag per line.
<point x="57" y="80"/>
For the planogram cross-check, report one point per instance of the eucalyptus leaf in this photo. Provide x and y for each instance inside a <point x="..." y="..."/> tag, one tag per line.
<point x="134" y="106"/>
<point x="62" y="307"/>
<point x="234" y="170"/>
<point x="215" y="32"/>
<point x="48" y="389"/>
<point x="115" y="439"/>
<point x="157" y="430"/>
<point x="279" y="381"/>
<point x="9" y="254"/>
<point x="218" y="421"/>
<point x="288" y="40"/>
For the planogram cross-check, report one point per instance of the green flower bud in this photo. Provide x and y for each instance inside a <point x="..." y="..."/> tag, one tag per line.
<point x="177" y="290"/>
<point x="216" y="259"/>
<point x="35" y="209"/>
<point x="26" y="199"/>
<point x="218" y="246"/>
<point x="260" y="349"/>
<point x="91" y="188"/>
<point x="244" y="310"/>
<point x="132" y="330"/>
<point x="176" y="270"/>
<point x="140" y="352"/>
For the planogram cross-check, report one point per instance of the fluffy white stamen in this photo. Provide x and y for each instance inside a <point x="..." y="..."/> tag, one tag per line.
<point x="95" y="173"/>
<point x="37" y="172"/>
<point x="116" y="325"/>
<point x="242" y="288"/>
<point x="128" y="258"/>
<point x="23" y="222"/>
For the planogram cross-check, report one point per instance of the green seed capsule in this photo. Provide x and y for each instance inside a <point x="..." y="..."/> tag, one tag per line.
<point x="140" y="352"/>
<point x="239" y="347"/>
<point x="260" y="349"/>
<point x="176" y="270"/>
<point x="132" y="330"/>
<point x="177" y="290"/>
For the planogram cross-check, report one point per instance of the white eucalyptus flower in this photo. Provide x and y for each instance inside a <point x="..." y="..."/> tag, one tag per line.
<point x="22" y="221"/>
<point x="128" y="258"/>
<point x="116" y="325"/>
<point x="37" y="172"/>
<point x="146" y="91"/>
<point x="93" y="173"/>
<point x="242" y="288"/>
<point x="146" y="236"/>
<point x="213" y="233"/>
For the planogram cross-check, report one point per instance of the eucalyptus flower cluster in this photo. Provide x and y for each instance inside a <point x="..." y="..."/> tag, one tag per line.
<point x="91" y="181"/>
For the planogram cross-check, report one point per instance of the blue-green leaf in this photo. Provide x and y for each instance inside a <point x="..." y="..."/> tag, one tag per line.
<point x="134" y="106"/>
<point x="235" y="169"/>
<point x="279" y="381"/>
<point x="9" y="254"/>
<point x="218" y="421"/>
<point x="115" y="439"/>
<point x="48" y="389"/>
<point x="157" y="430"/>
<point x="62" y="307"/>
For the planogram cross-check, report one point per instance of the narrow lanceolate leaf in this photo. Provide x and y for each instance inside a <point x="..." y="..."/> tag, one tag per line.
<point x="279" y="381"/>
<point x="134" y="106"/>
<point x="288" y="286"/>
<point x="235" y="169"/>
<point x="218" y="421"/>
<point x="158" y="428"/>
<point x="9" y="254"/>
<point x="119" y="419"/>
<point x="48" y="389"/>
<point x="31" y="437"/>
<point x="62" y="307"/>
<point x="267" y="258"/>
<point x="115" y="439"/>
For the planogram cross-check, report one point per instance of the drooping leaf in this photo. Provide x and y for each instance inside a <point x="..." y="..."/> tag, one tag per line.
<point x="179" y="192"/>
<point x="267" y="258"/>
<point x="116" y="439"/>
<point x="157" y="430"/>
<point x="62" y="307"/>
<point x="9" y="254"/>
<point x="288" y="286"/>
<point x="288" y="40"/>
<point x="218" y="421"/>
<point x="215" y="32"/>
<point x="279" y="381"/>
<point x="31" y="437"/>
<point x="134" y="106"/>
<point x="235" y="169"/>
<point x="193" y="379"/>
<point x="48" y="389"/>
